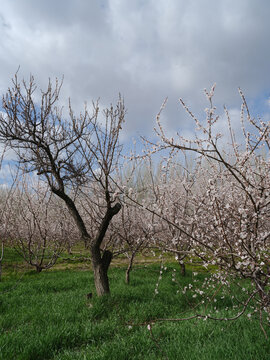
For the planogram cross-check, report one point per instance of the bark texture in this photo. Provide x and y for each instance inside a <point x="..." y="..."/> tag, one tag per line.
<point x="101" y="262"/>
<point x="183" y="269"/>
<point x="129" y="268"/>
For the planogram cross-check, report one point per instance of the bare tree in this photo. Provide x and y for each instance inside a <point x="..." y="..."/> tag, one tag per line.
<point x="68" y="152"/>
<point x="4" y="220"/>
<point x="39" y="227"/>
<point x="5" y="193"/>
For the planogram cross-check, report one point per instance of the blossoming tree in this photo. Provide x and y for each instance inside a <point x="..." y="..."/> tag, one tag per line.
<point x="229" y="226"/>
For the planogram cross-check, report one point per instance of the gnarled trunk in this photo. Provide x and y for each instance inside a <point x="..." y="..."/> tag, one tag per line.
<point x="101" y="273"/>
<point x="101" y="263"/>
<point x="39" y="269"/>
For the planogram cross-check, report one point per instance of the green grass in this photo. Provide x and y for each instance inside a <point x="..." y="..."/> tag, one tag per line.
<point x="47" y="316"/>
<point x="14" y="264"/>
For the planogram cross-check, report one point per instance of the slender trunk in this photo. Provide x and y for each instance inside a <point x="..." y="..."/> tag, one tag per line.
<point x="181" y="263"/>
<point x="260" y="285"/>
<point x="74" y="212"/>
<point x="129" y="268"/>
<point x="69" y="250"/>
<point x="183" y="269"/>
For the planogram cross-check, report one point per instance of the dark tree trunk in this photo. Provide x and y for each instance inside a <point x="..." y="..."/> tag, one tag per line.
<point x="101" y="273"/>
<point x="181" y="263"/>
<point x="101" y="263"/>
<point x="129" y="268"/>
<point x="73" y="211"/>
<point x="69" y="250"/>
<point x="183" y="269"/>
<point x="39" y="269"/>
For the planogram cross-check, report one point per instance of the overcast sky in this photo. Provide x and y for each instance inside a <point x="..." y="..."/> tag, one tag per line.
<point x="145" y="49"/>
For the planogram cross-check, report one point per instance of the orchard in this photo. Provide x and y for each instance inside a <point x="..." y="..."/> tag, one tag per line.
<point x="198" y="216"/>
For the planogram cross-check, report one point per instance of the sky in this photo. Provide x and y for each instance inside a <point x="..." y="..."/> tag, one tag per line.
<point x="144" y="49"/>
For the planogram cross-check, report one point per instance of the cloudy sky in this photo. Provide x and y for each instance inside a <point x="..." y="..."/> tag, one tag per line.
<point x="145" y="49"/>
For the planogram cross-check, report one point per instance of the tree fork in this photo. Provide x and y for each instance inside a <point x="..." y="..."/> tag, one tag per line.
<point x="101" y="263"/>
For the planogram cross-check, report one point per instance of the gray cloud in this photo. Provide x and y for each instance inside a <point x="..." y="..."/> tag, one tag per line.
<point x="146" y="50"/>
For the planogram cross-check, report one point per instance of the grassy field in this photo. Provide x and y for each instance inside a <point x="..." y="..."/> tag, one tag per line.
<point x="48" y="316"/>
